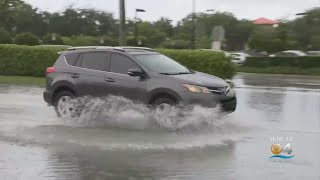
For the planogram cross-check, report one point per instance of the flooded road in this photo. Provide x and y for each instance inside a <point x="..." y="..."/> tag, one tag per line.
<point x="35" y="144"/>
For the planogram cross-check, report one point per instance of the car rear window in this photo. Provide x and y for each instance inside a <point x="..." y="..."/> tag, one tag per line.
<point x="71" y="58"/>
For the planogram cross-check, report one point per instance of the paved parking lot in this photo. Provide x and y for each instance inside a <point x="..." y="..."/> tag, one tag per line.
<point x="34" y="144"/>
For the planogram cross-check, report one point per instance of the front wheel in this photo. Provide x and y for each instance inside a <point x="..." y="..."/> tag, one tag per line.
<point x="166" y="113"/>
<point x="63" y="104"/>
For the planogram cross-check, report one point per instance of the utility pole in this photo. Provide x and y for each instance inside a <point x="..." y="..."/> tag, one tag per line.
<point x="136" y="27"/>
<point x="122" y="29"/>
<point x="193" y="36"/>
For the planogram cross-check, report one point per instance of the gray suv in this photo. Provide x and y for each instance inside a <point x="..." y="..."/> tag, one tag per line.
<point x="139" y="74"/>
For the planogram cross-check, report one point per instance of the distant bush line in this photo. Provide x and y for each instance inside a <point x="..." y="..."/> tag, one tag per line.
<point x="282" y="65"/>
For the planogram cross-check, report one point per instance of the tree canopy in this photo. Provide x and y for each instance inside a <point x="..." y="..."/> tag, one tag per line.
<point x="92" y="27"/>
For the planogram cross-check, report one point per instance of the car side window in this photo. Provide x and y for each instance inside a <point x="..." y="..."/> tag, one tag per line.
<point x="121" y="64"/>
<point x="95" y="60"/>
<point x="79" y="61"/>
<point x="71" y="58"/>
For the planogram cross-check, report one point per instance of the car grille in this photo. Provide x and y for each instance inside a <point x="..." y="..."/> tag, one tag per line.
<point x="219" y="90"/>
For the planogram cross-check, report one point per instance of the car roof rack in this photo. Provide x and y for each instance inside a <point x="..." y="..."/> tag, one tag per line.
<point x="119" y="48"/>
<point x="94" y="47"/>
<point x="135" y="48"/>
<point x="87" y="47"/>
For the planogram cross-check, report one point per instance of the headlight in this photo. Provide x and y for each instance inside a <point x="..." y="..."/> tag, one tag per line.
<point x="196" y="89"/>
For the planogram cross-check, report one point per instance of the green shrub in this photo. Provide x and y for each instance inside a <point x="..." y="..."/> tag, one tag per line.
<point x="282" y="65"/>
<point x="26" y="60"/>
<point x="54" y="39"/>
<point x="109" y="41"/>
<point x="26" y="39"/>
<point x="33" y="61"/>
<point x="299" y="62"/>
<point x="204" y="43"/>
<point x="5" y="37"/>
<point x="131" y="41"/>
<point x="205" y="61"/>
<point x="81" y="41"/>
<point x="280" y="70"/>
<point x="176" y="44"/>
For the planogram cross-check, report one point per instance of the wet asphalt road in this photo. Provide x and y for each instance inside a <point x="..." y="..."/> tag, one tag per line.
<point x="34" y="144"/>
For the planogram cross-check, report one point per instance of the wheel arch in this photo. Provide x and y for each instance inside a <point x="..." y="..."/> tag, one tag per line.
<point x="62" y="87"/>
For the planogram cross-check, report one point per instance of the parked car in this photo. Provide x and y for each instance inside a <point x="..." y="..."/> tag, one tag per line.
<point x="226" y="54"/>
<point x="289" y="53"/>
<point x="313" y="53"/>
<point x="254" y="53"/>
<point x="239" y="58"/>
<point x="139" y="74"/>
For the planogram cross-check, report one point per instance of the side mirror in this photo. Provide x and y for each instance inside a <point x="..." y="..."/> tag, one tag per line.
<point x="136" y="72"/>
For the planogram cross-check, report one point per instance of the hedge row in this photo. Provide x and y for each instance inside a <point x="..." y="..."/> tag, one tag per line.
<point x="214" y="63"/>
<point x="26" y="60"/>
<point x="33" y="61"/>
<point x="297" y="62"/>
<point x="281" y="70"/>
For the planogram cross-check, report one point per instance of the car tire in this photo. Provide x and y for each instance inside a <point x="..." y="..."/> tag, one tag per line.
<point x="63" y="105"/>
<point x="165" y="113"/>
<point x="163" y="100"/>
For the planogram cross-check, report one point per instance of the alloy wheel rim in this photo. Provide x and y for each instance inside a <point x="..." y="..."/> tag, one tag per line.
<point x="65" y="107"/>
<point x="164" y="107"/>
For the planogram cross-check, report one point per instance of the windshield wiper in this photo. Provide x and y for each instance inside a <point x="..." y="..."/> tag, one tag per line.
<point x="178" y="73"/>
<point x="184" y="73"/>
<point x="168" y="73"/>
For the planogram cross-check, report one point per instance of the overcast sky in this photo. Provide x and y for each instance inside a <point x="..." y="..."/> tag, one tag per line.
<point x="177" y="9"/>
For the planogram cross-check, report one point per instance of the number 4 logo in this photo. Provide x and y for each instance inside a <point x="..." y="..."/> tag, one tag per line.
<point x="287" y="149"/>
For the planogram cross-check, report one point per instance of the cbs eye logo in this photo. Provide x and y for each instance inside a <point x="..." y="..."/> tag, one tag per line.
<point x="277" y="149"/>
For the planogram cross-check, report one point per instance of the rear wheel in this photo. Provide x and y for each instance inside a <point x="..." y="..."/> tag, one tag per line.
<point x="63" y="104"/>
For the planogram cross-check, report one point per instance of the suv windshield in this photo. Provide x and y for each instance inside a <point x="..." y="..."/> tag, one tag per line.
<point x="162" y="64"/>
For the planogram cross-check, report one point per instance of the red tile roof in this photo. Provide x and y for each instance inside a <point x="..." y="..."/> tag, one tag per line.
<point x="265" y="21"/>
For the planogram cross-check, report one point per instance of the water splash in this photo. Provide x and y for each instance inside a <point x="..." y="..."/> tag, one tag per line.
<point x="116" y="123"/>
<point x="123" y="113"/>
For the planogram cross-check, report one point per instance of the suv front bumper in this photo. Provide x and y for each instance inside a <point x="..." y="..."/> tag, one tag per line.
<point x="227" y="103"/>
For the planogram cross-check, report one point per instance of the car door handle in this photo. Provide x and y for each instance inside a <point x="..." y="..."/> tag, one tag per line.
<point x="75" y="76"/>
<point x="109" y="80"/>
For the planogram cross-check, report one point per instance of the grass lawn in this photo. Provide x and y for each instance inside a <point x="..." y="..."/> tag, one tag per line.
<point x="280" y="70"/>
<point x="23" y="80"/>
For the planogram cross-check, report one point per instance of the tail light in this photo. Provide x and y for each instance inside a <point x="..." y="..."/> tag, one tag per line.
<point x="50" y="70"/>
